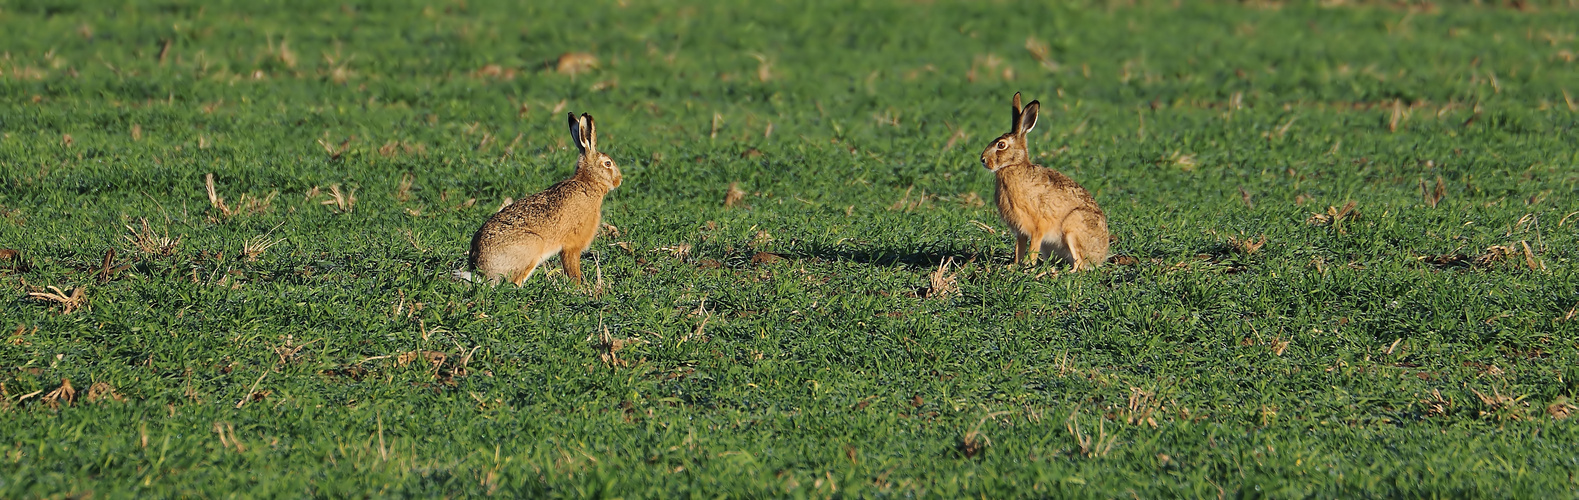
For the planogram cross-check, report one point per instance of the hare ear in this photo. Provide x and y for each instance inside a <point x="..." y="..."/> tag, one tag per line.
<point x="1014" y="116"/>
<point x="1028" y="117"/>
<point x="575" y="134"/>
<point x="589" y="132"/>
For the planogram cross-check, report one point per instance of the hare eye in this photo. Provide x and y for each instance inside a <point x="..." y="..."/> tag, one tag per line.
<point x="1003" y="145"/>
<point x="607" y="163"/>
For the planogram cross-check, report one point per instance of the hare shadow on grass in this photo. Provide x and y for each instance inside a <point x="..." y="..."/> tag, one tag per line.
<point x="919" y="257"/>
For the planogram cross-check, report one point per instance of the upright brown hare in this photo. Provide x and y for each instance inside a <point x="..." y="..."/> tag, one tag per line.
<point x="1041" y="205"/>
<point x="560" y="220"/>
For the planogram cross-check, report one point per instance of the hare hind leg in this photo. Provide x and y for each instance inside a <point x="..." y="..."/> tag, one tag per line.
<point x="1086" y="240"/>
<point x="514" y="263"/>
<point x="522" y="274"/>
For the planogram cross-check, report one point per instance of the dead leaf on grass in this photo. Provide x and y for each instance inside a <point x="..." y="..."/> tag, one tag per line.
<point x="103" y="391"/>
<point x="1247" y="245"/>
<point x="575" y="63"/>
<point x="1562" y="408"/>
<point x="766" y="258"/>
<point x="1123" y="260"/>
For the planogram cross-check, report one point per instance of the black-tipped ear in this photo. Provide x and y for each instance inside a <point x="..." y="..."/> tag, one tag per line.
<point x="1014" y="116"/>
<point x="590" y="130"/>
<point x="575" y="133"/>
<point x="1028" y="117"/>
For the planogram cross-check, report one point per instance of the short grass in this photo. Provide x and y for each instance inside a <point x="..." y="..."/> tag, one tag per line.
<point x="1261" y="336"/>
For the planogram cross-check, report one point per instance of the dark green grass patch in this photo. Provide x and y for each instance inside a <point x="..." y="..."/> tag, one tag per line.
<point x="1346" y="237"/>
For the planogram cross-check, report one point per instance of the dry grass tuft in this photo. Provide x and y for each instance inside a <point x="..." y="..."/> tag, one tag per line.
<point x="69" y="302"/>
<point x="1436" y="406"/>
<point x="1090" y="446"/>
<point x="1398" y="115"/>
<point x="108" y="269"/>
<point x="973" y="444"/>
<point x="1334" y="215"/>
<point x="11" y="260"/>
<point x="281" y="53"/>
<point x="1123" y="260"/>
<point x="1498" y="253"/>
<point x="764" y="258"/>
<point x="679" y="251"/>
<point x="1142" y="405"/>
<point x="149" y="242"/>
<point x="761" y="239"/>
<point x="1529" y="258"/>
<point x="941" y="282"/>
<point x="391" y="149"/>
<point x="1500" y="406"/>
<point x="1185" y="161"/>
<point x="987" y="66"/>
<point x="575" y="63"/>
<point x="403" y="191"/>
<point x="1495" y="253"/>
<point x="1562" y="408"/>
<point x="1041" y="52"/>
<point x="343" y="202"/>
<point x="764" y="68"/>
<point x="734" y="196"/>
<point x="254" y="247"/>
<point x="956" y="134"/>
<point x="223" y="429"/>
<point x="1435" y="196"/>
<point x="247" y="205"/>
<point x="1247" y="245"/>
<point x="970" y="199"/>
<point x="335" y="152"/>
<point x="64" y="394"/>
<point x="102" y="391"/>
<point x="608" y="349"/>
<point x="905" y="204"/>
<point x="494" y="72"/>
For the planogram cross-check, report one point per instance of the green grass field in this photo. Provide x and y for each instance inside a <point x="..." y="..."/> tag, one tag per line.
<point x="300" y="334"/>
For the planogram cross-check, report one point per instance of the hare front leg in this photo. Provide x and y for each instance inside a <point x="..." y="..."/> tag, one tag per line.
<point x="571" y="258"/>
<point x="1022" y="244"/>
